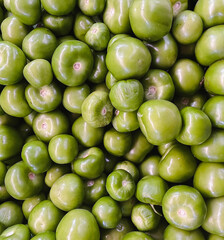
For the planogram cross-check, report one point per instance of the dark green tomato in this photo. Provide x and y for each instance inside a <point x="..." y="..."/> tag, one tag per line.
<point x="6" y="119"/>
<point x="158" y="84"/>
<point x="128" y="58"/>
<point x="11" y="142"/>
<point x="186" y="51"/>
<point x="98" y="36"/>
<point x="55" y="172"/>
<point x="177" y="164"/>
<point x="67" y="192"/>
<point x="127" y="206"/>
<point x="25" y="130"/>
<point x="210" y="11"/>
<point x="90" y="163"/>
<point x="176" y="233"/>
<point x="21" y="183"/>
<point x="59" y="25"/>
<point x="97" y="109"/>
<point x="29" y="118"/>
<point x="214" y="237"/>
<point x="137" y="235"/>
<point x="151" y="189"/>
<point x="72" y="62"/>
<point x="57" y="7"/>
<point x="1" y="13"/>
<point x="164" y="52"/>
<point x="48" y="125"/>
<point x="151" y="20"/>
<point x="95" y="189"/>
<point x="116" y="16"/>
<point x="214" y="222"/>
<point x="179" y="6"/>
<point x="117" y="143"/>
<point x="107" y="212"/>
<point x="144" y="217"/>
<point x="13" y="100"/>
<point x="13" y="30"/>
<point x="13" y="72"/>
<point x="43" y="99"/>
<point x="213" y="79"/>
<point x="44" y="217"/>
<point x="150" y="166"/>
<point x="212" y="149"/>
<point x="11" y="214"/>
<point x="63" y="148"/>
<point x="30" y="203"/>
<point x="210" y="47"/>
<point x="110" y="162"/>
<point x="16" y="232"/>
<point x="91" y="8"/>
<point x="40" y="43"/>
<point x="110" y="80"/>
<point x="140" y="148"/>
<point x="99" y="72"/>
<point x="160" y="121"/>
<point x="73" y="97"/>
<point x="28" y="12"/>
<point x="120" y="185"/>
<point x="187" y="27"/>
<point x="3" y="170"/>
<point x="127" y="95"/>
<point x="187" y="76"/>
<point x="214" y="108"/>
<point x="196" y="127"/>
<point x="125" y="121"/>
<point x="74" y="226"/>
<point x="38" y="73"/>
<point x="123" y="227"/>
<point x="81" y="26"/>
<point x="129" y="167"/>
<point x="36" y="157"/>
<point x="49" y="235"/>
<point x="85" y="134"/>
<point x="184" y="207"/>
<point x="208" y="179"/>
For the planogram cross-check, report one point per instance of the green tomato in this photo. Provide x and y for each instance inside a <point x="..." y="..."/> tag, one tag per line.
<point x="179" y="6"/>
<point x="63" y="148"/>
<point x="2" y="228"/>
<point x="30" y="203"/>
<point x="176" y="233"/>
<point x="120" y="185"/>
<point x="144" y="217"/>
<point x="90" y="163"/>
<point x="164" y="52"/>
<point x="74" y="225"/>
<point x="166" y="146"/>
<point x="21" y="183"/>
<point x="6" y="4"/>
<point x="28" y="12"/>
<point x="151" y="20"/>
<point x="117" y="143"/>
<point x="58" y="8"/>
<point x="72" y="62"/>
<point x="3" y="170"/>
<point x="85" y="134"/>
<point x="137" y="235"/>
<point x="213" y="222"/>
<point x="110" y="80"/>
<point x="97" y="109"/>
<point x="29" y="118"/>
<point x="44" y="217"/>
<point x="128" y="58"/>
<point x="11" y="214"/>
<point x="91" y="8"/>
<point x="107" y="212"/>
<point x="67" y="192"/>
<point x="40" y="43"/>
<point x="16" y="232"/>
<point x="115" y="38"/>
<point x="196" y="127"/>
<point x="184" y="207"/>
<point x="212" y="149"/>
<point x="11" y="142"/>
<point x="13" y="72"/>
<point x="215" y="237"/>
<point x="160" y="121"/>
<point x="49" y="235"/>
<point x="150" y="166"/>
<point x="127" y="95"/>
<point x="127" y="206"/>
<point x="48" y="125"/>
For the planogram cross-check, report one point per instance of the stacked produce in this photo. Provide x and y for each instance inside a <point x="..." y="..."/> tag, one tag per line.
<point x="112" y="120"/>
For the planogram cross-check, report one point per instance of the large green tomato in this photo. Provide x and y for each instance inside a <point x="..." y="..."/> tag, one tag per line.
<point x="91" y="8"/>
<point x="13" y="72"/>
<point x="151" y="20"/>
<point x="159" y="120"/>
<point x="16" y="232"/>
<point x="49" y="235"/>
<point x="74" y="226"/>
<point x="57" y="7"/>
